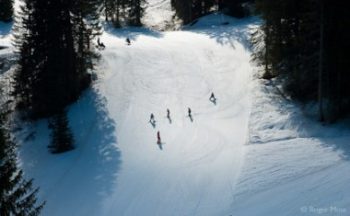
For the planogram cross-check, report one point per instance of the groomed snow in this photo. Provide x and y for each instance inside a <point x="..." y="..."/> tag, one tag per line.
<point x="251" y="154"/>
<point x="117" y="167"/>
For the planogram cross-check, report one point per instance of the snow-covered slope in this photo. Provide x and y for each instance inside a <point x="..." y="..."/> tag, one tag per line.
<point x="158" y="14"/>
<point x="293" y="164"/>
<point x="253" y="153"/>
<point x="117" y="167"/>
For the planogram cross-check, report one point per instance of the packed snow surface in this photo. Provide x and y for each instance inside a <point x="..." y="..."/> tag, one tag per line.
<point x="251" y="153"/>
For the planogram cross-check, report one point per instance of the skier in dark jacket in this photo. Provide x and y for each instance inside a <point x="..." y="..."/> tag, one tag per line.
<point x="167" y="113"/>
<point x="212" y="98"/>
<point x="158" y="138"/>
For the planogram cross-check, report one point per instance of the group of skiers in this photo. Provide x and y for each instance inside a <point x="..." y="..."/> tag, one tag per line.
<point x="212" y="98"/>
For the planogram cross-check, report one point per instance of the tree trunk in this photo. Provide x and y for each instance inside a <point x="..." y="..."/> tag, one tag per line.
<point x="320" y="63"/>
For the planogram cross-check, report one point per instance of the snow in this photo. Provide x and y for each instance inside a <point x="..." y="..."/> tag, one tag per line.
<point x="253" y="153"/>
<point x="159" y="15"/>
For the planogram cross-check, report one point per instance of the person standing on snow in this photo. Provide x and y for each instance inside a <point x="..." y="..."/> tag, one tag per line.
<point x="190" y="114"/>
<point x="158" y="138"/>
<point x="168" y="115"/>
<point x="128" y="42"/>
<point x="212" y="98"/>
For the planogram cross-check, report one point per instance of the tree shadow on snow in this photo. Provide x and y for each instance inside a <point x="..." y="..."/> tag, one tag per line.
<point x="132" y="32"/>
<point x="226" y="30"/>
<point x="96" y="142"/>
<point x="79" y="181"/>
<point x="5" y="28"/>
<point x="281" y="119"/>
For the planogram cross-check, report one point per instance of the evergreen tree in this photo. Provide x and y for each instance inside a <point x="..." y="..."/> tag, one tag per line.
<point x="54" y="42"/>
<point x="184" y="10"/>
<point x="189" y="10"/>
<point x="61" y="136"/>
<point x="17" y="196"/>
<point x="115" y="11"/>
<point x="136" y="10"/>
<point x="6" y="10"/>
<point x="233" y="7"/>
<point x="302" y="47"/>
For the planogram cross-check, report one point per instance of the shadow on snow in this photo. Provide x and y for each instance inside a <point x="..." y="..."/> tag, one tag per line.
<point x="5" y="28"/>
<point x="225" y="29"/>
<point x="291" y="118"/>
<point x="85" y="176"/>
<point x="131" y="32"/>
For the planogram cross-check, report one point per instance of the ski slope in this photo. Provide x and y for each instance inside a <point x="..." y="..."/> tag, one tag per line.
<point x="176" y="70"/>
<point x="251" y="154"/>
<point x="117" y="167"/>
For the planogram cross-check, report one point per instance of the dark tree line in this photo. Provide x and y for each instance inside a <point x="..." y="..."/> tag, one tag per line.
<point x="190" y="10"/>
<point x="306" y="43"/>
<point x="6" y="10"/>
<point x="17" y="195"/>
<point x="56" y="57"/>
<point x="234" y="7"/>
<point x="127" y="12"/>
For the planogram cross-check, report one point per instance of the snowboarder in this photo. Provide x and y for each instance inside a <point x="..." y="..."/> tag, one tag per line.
<point x="212" y="98"/>
<point x="158" y="138"/>
<point x="128" y="42"/>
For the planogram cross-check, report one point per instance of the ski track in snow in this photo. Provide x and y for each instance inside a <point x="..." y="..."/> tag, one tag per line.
<point x="117" y="167"/>
<point x="247" y="155"/>
<point x="176" y="72"/>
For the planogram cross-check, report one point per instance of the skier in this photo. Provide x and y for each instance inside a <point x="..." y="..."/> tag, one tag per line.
<point x="190" y="114"/>
<point x="212" y="98"/>
<point x="128" y="42"/>
<point x="152" y="118"/>
<point x="100" y="44"/>
<point x="158" y="138"/>
<point x="168" y="113"/>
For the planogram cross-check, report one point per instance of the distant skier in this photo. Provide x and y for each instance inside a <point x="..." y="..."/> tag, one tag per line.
<point x="128" y="42"/>
<point x="158" y="138"/>
<point x="100" y="44"/>
<point x="151" y="119"/>
<point x="212" y="98"/>
<point x="190" y="114"/>
<point x="167" y="113"/>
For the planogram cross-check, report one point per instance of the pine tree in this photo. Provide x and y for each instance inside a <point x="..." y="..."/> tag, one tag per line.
<point x="302" y="47"/>
<point x="189" y="10"/>
<point x="61" y="135"/>
<point x="136" y="10"/>
<point x="54" y="42"/>
<point x="114" y="11"/>
<point x="6" y="10"/>
<point x="183" y="9"/>
<point x="17" y="196"/>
